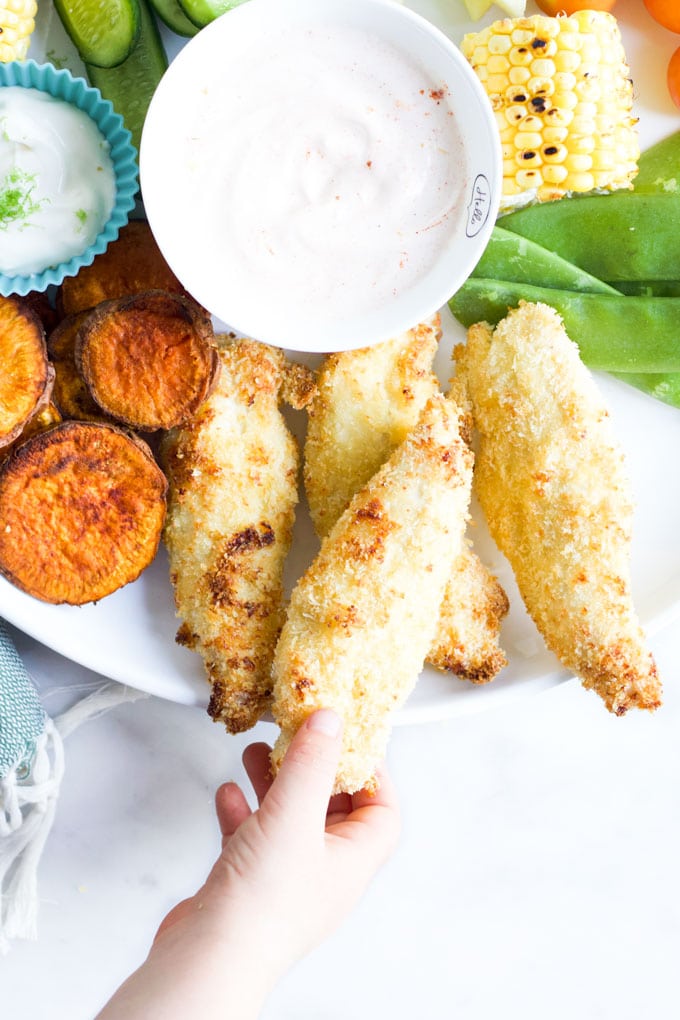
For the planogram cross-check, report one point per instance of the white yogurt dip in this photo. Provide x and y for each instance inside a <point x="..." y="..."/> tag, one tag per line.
<point x="320" y="172"/>
<point x="57" y="183"/>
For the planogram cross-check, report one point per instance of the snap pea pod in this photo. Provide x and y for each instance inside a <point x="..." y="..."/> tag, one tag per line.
<point x="664" y="386"/>
<point x="649" y="288"/>
<point x="625" y="236"/>
<point x="659" y="167"/>
<point x="509" y="256"/>
<point x="613" y="332"/>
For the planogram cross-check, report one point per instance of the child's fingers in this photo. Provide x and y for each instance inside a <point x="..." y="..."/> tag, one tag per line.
<point x="258" y="766"/>
<point x="384" y="795"/>
<point x="299" y="796"/>
<point x="232" y="809"/>
<point x="374" y="821"/>
<point x="340" y="804"/>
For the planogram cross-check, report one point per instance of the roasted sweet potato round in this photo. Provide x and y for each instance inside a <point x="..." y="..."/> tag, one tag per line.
<point x="44" y="419"/>
<point x="82" y="508"/>
<point x="25" y="375"/>
<point x="70" y="393"/>
<point x="131" y="264"/>
<point x="148" y="360"/>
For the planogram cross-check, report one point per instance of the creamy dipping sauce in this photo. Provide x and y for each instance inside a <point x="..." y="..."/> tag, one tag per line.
<point x="326" y="175"/>
<point x="57" y="183"/>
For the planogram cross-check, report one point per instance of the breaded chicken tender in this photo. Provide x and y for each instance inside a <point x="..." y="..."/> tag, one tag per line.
<point x="362" y="617"/>
<point x="550" y="478"/>
<point x="367" y="402"/>
<point x="233" y="489"/>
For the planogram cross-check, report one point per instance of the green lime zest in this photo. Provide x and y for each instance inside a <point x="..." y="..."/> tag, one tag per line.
<point x="16" y="198"/>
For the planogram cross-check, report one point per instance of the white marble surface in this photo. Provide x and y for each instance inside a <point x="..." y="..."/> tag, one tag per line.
<point x="538" y="872"/>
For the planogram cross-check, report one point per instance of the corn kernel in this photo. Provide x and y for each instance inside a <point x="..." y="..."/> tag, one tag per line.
<point x="541" y="86"/>
<point x="577" y="162"/>
<point x="583" y="143"/>
<point x="520" y="56"/>
<point x="496" y="83"/>
<point x="522" y="36"/>
<point x="565" y="81"/>
<point x="519" y="75"/>
<point x="529" y="158"/>
<point x="603" y="159"/>
<point x="515" y="114"/>
<point x="565" y="100"/>
<point x="527" y="140"/>
<point x="558" y="117"/>
<point x="555" y="174"/>
<point x="528" y="179"/>
<point x="543" y="68"/>
<point x="589" y="89"/>
<point x="555" y="154"/>
<point x="554" y="135"/>
<point x="499" y="44"/>
<point x="497" y="64"/>
<point x="581" y="181"/>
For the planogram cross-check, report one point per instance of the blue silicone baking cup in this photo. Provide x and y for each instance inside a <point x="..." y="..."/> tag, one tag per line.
<point x="63" y="85"/>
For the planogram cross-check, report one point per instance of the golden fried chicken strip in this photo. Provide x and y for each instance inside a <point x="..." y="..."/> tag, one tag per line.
<point x="367" y="401"/>
<point x="233" y="489"/>
<point x="550" y="478"/>
<point x="362" y="617"/>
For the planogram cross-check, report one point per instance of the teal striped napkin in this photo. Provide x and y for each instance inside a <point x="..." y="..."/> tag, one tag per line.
<point x="31" y="770"/>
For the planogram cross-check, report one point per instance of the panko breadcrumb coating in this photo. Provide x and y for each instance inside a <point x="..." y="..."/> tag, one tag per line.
<point x="366" y="403"/>
<point x="362" y="617"/>
<point x="550" y="478"/>
<point x="233" y="490"/>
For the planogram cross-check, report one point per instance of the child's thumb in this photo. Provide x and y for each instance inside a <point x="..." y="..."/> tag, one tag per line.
<point x="300" y="793"/>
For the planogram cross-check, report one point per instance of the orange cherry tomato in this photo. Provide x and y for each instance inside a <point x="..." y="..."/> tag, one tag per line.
<point x="673" y="77"/>
<point x="554" y="7"/>
<point x="666" y="12"/>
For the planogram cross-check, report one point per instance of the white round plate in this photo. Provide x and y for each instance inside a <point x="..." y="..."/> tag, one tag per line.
<point x="129" y="636"/>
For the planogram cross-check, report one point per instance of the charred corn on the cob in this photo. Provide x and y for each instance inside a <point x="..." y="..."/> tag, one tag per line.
<point x="562" y="95"/>
<point x="17" y="21"/>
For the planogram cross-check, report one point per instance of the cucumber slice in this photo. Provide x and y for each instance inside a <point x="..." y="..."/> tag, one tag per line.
<point x="172" y="15"/>
<point x="202" y="12"/>
<point x="103" y="31"/>
<point x="130" y="86"/>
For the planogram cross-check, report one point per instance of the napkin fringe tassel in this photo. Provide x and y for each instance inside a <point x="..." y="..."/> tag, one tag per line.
<point x="27" y="808"/>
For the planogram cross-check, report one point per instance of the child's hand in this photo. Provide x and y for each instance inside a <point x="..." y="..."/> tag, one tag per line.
<point x="288" y="873"/>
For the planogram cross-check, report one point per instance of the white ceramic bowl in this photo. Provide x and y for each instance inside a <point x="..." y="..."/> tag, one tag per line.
<point x="215" y="200"/>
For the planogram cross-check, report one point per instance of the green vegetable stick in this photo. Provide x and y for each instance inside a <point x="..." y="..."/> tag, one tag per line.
<point x="103" y="31"/>
<point x="172" y="14"/>
<point x="202" y="12"/>
<point x="624" y="236"/>
<point x="614" y="333"/>
<point x="509" y="256"/>
<point x="130" y="86"/>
